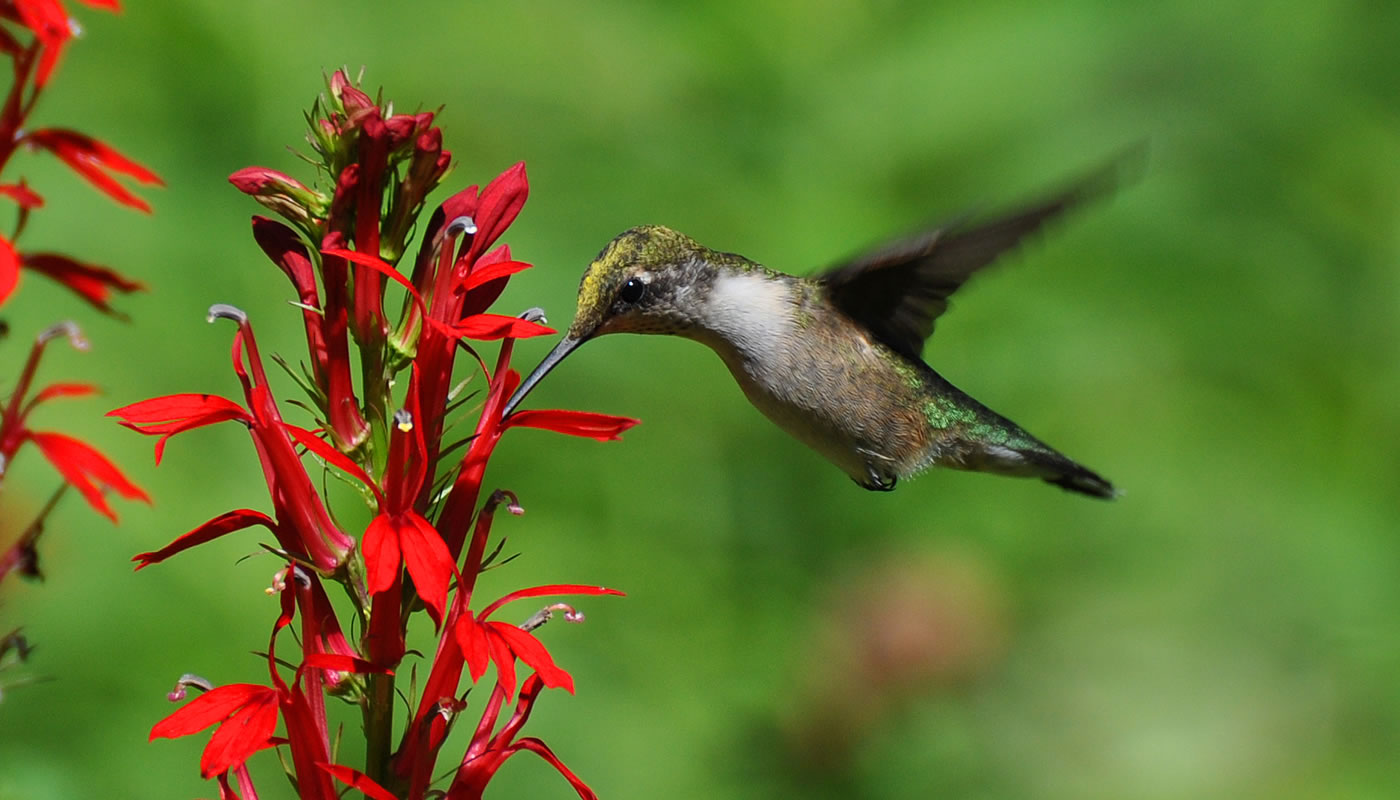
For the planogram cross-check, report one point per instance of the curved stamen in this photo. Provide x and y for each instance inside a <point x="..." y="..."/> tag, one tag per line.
<point x="226" y="311"/>
<point x="66" y="328"/>
<point x="461" y="225"/>
<point x="187" y="681"/>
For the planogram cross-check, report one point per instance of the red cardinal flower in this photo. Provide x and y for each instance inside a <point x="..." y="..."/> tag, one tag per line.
<point x="83" y="467"/>
<point x="343" y="248"/>
<point x="482" y="639"/>
<point x="86" y="470"/>
<point x="398" y="536"/>
<point x="246" y="714"/>
<point x="304" y="527"/>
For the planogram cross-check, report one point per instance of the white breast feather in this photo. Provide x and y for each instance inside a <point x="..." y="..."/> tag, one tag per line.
<point x="752" y="312"/>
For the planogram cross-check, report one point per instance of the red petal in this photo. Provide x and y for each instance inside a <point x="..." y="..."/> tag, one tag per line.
<point x="245" y="732"/>
<point x="22" y="194"/>
<point x="109" y="5"/>
<point x="100" y="152"/>
<point x="603" y="427"/>
<point x="48" y="58"/>
<point x="218" y="526"/>
<point x="176" y="407"/>
<point x="333" y="456"/>
<point x="102" y="181"/>
<point x="487" y="327"/>
<point x="84" y="468"/>
<point x="504" y="659"/>
<point x="471" y="638"/>
<point x="548" y="590"/>
<point x="213" y="706"/>
<point x="9" y="268"/>
<point x="542" y="750"/>
<point x="384" y="268"/>
<point x="490" y="272"/>
<point x="500" y="203"/>
<point x="62" y="390"/>
<point x="381" y="550"/>
<point x="89" y="157"/>
<point x="533" y="652"/>
<point x="49" y="22"/>
<point x="341" y="663"/>
<point x="172" y="414"/>
<point x="480" y="298"/>
<point x="285" y="248"/>
<point x="358" y="780"/>
<point x="428" y="561"/>
<point x="93" y="283"/>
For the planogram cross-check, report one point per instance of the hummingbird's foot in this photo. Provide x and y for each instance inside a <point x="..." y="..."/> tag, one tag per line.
<point x="877" y="480"/>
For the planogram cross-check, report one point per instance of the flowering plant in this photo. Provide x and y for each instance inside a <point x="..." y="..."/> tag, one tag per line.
<point x="430" y="533"/>
<point x="33" y="36"/>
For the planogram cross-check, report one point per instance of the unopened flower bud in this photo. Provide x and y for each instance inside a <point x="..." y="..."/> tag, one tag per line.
<point x="279" y="192"/>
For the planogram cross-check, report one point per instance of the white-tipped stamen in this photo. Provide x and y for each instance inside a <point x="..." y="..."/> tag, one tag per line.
<point x="186" y="681"/>
<point x="301" y="577"/>
<point x="226" y="311"/>
<point x="461" y="225"/>
<point x="547" y="613"/>
<point x="506" y="496"/>
<point x="66" y="328"/>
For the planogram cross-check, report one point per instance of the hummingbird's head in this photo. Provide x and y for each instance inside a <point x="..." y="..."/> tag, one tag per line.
<point x="644" y="281"/>
<point x="650" y="279"/>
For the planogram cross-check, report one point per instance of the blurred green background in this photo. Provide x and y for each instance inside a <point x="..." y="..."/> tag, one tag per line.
<point x="1222" y="339"/>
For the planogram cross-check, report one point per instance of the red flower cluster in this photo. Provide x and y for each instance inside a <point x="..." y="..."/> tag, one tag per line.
<point x="428" y="537"/>
<point x="33" y="35"/>
<point x="50" y="30"/>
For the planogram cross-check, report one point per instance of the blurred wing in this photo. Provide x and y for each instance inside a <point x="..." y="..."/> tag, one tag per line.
<point x="897" y="291"/>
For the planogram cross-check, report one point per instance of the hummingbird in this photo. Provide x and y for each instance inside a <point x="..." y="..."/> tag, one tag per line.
<point x="835" y="359"/>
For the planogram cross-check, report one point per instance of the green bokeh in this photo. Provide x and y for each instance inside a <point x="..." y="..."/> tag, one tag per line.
<point x="1221" y="340"/>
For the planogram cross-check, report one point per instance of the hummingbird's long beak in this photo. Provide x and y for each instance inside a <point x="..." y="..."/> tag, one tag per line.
<point x="566" y="346"/>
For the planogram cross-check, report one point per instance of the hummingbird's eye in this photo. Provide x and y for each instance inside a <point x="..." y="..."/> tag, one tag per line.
<point x="632" y="291"/>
